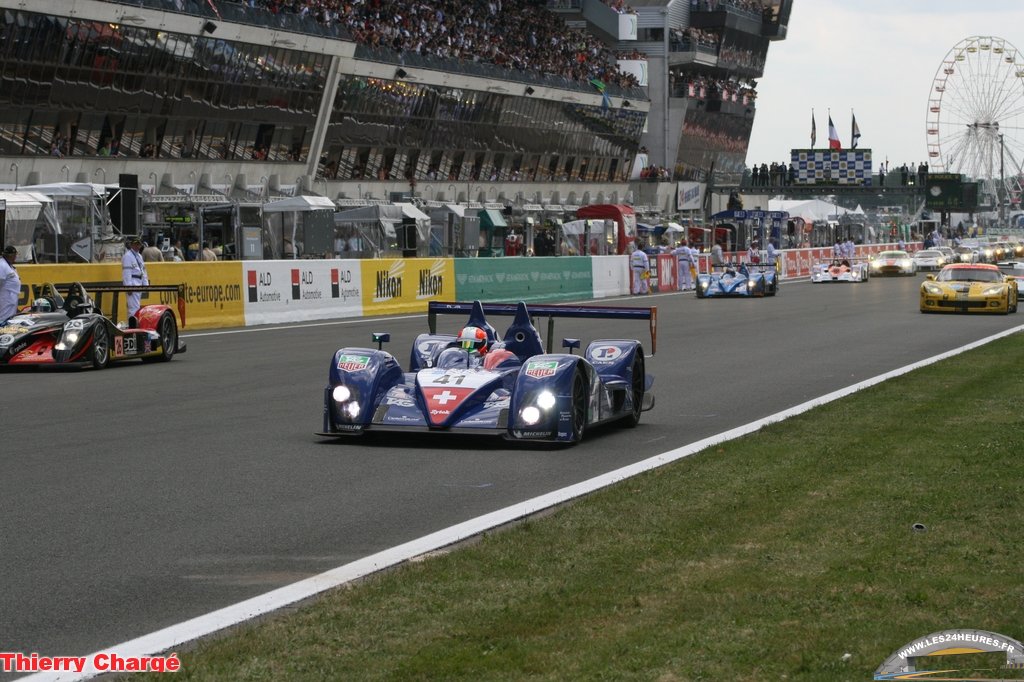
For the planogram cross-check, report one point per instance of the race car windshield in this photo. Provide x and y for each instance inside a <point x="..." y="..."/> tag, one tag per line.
<point x="968" y="275"/>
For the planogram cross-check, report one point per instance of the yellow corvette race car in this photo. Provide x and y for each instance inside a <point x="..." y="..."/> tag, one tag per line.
<point x="969" y="288"/>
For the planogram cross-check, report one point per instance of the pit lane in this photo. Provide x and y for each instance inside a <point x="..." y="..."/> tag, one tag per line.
<point x="140" y="496"/>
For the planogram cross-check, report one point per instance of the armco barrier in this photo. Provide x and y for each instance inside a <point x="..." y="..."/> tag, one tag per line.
<point x="240" y="293"/>
<point x="524" y="279"/>
<point x="213" y="291"/>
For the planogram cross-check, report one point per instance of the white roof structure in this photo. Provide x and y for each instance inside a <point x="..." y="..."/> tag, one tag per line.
<point x="811" y="210"/>
<point x="68" y="189"/>
<point x="300" y="204"/>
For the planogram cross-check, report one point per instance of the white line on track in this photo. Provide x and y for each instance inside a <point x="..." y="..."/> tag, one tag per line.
<point x="167" y="639"/>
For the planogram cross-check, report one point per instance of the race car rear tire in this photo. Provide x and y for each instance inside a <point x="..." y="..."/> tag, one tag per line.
<point x="168" y="330"/>
<point x="638" y="386"/>
<point x="99" y="354"/>
<point x="579" y="406"/>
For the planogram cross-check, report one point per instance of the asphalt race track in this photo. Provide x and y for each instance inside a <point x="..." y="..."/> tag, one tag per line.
<point x="143" y="495"/>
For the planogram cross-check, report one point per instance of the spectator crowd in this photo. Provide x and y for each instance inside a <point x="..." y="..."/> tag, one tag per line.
<point x="516" y="34"/>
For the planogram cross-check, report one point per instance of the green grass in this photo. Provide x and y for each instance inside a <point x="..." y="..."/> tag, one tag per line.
<point x="769" y="557"/>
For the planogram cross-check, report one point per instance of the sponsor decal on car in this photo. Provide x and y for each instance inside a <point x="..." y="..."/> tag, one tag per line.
<point x="605" y="353"/>
<point x="538" y="369"/>
<point x="353" y="363"/>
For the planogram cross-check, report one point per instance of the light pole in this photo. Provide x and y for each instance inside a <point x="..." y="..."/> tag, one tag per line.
<point x="100" y="170"/>
<point x="195" y="185"/>
<point x="16" y="169"/>
<point x="1002" y="185"/>
<point x="67" y="173"/>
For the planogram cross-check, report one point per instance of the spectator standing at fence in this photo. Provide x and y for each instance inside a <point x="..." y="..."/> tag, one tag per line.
<point x="717" y="256"/>
<point x="152" y="254"/>
<point x="753" y="255"/>
<point x="10" y="284"/>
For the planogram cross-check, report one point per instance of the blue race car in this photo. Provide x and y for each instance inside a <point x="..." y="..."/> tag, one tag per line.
<point x="743" y="279"/>
<point x="518" y="390"/>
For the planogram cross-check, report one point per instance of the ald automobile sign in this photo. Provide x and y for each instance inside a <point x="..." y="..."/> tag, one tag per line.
<point x="945" y="655"/>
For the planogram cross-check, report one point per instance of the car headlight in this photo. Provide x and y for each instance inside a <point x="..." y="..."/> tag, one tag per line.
<point x="932" y="289"/>
<point x="750" y="284"/>
<point x="72" y="337"/>
<point x="906" y="263"/>
<point x="346" y="399"/>
<point x="530" y="415"/>
<point x="993" y="291"/>
<point x="875" y="265"/>
<point x="546" y="400"/>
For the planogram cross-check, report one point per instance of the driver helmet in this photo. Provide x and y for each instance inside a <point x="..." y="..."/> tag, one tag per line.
<point x="41" y="305"/>
<point x="474" y="340"/>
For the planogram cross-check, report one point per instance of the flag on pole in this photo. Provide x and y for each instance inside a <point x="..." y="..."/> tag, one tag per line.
<point x="833" y="135"/>
<point x="854" y="132"/>
<point x="814" y="130"/>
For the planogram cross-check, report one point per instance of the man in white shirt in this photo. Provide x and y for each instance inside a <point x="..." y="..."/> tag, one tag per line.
<point x="133" y="273"/>
<point x="684" y="257"/>
<point x="640" y="265"/>
<point x="10" y="284"/>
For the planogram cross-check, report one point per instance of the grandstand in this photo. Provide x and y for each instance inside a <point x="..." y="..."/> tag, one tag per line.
<point x="530" y="106"/>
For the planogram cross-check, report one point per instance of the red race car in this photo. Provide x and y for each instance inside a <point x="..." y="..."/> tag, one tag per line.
<point x="70" y="329"/>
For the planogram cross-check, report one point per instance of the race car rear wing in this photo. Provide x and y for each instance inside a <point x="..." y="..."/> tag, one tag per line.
<point x="551" y="311"/>
<point x="97" y="291"/>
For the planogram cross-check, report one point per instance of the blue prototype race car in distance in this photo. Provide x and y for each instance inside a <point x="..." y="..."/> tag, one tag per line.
<point x="743" y="279"/>
<point x="518" y="390"/>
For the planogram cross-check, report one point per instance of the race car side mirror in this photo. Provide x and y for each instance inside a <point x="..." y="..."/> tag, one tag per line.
<point x="570" y="344"/>
<point x="380" y="338"/>
<point x="930" y="278"/>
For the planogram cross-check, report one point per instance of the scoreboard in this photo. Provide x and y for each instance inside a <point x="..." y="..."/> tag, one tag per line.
<point x="948" y="192"/>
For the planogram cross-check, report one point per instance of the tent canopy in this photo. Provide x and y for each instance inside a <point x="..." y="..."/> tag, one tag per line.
<point x="387" y="216"/>
<point x="812" y="210"/>
<point x="299" y="203"/>
<point x="410" y="211"/>
<point x="490" y="218"/>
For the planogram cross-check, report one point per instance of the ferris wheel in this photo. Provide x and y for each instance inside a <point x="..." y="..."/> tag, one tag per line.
<point x="975" y="122"/>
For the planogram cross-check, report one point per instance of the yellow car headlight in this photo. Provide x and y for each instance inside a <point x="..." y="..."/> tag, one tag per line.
<point x="932" y="289"/>
<point x="993" y="291"/>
